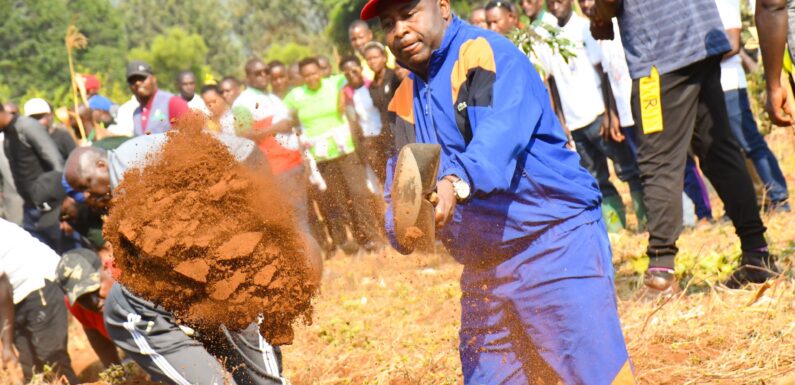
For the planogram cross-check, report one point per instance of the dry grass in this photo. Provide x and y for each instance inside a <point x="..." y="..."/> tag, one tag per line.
<point x="392" y="319"/>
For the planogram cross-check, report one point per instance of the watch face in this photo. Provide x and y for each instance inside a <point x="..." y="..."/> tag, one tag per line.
<point x="461" y="189"/>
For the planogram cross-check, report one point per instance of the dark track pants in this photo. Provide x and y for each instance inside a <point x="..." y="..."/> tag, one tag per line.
<point x="150" y="336"/>
<point x="694" y="116"/>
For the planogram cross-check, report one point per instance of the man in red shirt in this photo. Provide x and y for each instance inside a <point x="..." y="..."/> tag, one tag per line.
<point x="86" y="284"/>
<point x="157" y="109"/>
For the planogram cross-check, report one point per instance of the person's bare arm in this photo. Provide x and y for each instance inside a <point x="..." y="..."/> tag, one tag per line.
<point x="557" y="106"/>
<point x="103" y="347"/>
<point x="283" y="126"/>
<point x="7" y="320"/>
<point x="611" y="127"/>
<point x="734" y="42"/>
<point x="601" y="22"/>
<point x="771" y="22"/>
<point x="749" y="63"/>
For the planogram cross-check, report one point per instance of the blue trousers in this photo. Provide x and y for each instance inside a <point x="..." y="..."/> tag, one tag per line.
<point x="743" y="126"/>
<point x="546" y="314"/>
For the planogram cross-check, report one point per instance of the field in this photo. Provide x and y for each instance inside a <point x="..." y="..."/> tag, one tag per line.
<point x="393" y="319"/>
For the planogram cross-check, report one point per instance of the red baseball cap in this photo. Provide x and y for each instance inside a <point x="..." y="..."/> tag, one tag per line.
<point x="91" y="82"/>
<point x="373" y="8"/>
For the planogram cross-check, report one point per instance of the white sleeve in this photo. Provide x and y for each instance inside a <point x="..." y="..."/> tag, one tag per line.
<point x="280" y="110"/>
<point x="729" y="11"/>
<point x="592" y="48"/>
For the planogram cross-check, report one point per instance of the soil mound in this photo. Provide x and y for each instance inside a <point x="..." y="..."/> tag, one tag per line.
<point x="209" y="239"/>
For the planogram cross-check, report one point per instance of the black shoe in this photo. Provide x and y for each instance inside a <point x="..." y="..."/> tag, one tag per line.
<point x="660" y="281"/>
<point x="777" y="207"/>
<point x="349" y="247"/>
<point x="755" y="267"/>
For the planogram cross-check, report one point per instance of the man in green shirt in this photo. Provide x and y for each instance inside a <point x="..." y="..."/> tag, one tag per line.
<point x="319" y="108"/>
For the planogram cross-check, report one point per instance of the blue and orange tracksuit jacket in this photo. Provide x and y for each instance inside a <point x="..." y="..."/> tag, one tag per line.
<point x="487" y="107"/>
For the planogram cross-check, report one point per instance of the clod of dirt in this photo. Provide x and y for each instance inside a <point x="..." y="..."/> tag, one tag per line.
<point x="209" y="239"/>
<point x="414" y="233"/>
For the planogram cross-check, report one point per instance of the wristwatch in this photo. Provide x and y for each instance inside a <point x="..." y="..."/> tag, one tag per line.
<point x="460" y="188"/>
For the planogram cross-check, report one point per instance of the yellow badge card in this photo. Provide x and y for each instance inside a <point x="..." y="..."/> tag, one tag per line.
<point x="650" y="103"/>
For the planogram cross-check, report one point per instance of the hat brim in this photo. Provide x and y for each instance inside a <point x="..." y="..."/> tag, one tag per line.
<point x="371" y="9"/>
<point x="75" y="294"/>
<point x="138" y="73"/>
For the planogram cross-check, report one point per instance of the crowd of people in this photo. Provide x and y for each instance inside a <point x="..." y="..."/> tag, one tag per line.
<point x="662" y="113"/>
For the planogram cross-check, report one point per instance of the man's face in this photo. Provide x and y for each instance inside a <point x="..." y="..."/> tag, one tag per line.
<point x="229" y="91"/>
<point x="95" y="185"/>
<point x="588" y="7"/>
<point x="11" y="108"/>
<point x="312" y="76"/>
<point x="325" y="66"/>
<point x="280" y="82"/>
<point x="353" y="73"/>
<point x="143" y="87"/>
<point x="560" y="9"/>
<point x="44" y="119"/>
<point x="500" y="20"/>
<point x="5" y="118"/>
<point x="215" y="103"/>
<point x="359" y="36"/>
<point x="296" y="80"/>
<point x="478" y="18"/>
<point x="531" y="8"/>
<point x="413" y="30"/>
<point x="95" y="301"/>
<point x="376" y="60"/>
<point x="187" y="86"/>
<point x="257" y="76"/>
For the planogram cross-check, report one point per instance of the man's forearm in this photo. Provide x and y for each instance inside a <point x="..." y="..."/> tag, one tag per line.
<point x="105" y="349"/>
<point x="607" y="9"/>
<point x="771" y="21"/>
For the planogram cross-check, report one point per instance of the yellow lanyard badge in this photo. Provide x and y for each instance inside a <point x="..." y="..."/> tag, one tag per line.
<point x="650" y="103"/>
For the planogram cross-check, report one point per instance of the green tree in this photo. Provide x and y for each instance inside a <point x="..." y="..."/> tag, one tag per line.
<point x="288" y="52"/>
<point x="32" y="44"/>
<point x="211" y="19"/>
<point x="261" y="24"/>
<point x="174" y="51"/>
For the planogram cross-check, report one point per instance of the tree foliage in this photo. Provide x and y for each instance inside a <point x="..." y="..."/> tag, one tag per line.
<point x="174" y="51"/>
<point x="34" y="62"/>
<point x="263" y="24"/>
<point x="211" y="19"/>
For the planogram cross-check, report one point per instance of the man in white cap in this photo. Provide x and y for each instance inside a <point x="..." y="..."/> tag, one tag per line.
<point x="39" y="109"/>
<point x="33" y="154"/>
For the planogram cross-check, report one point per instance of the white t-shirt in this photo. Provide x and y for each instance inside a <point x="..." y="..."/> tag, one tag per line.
<point x="25" y="260"/>
<point x="197" y="104"/>
<point x="732" y="74"/>
<point x="577" y="81"/>
<point x="124" y="119"/>
<point x="367" y="112"/>
<point x="264" y="105"/>
<point x="614" y="63"/>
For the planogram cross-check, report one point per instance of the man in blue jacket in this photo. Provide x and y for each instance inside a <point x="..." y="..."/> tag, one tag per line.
<point x="515" y="207"/>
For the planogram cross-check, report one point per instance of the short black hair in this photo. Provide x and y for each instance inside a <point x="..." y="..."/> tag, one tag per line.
<point x="230" y="78"/>
<point x="308" y="61"/>
<point x="358" y="23"/>
<point x="504" y="4"/>
<point x="251" y="63"/>
<point x="2" y="108"/>
<point x="374" y="45"/>
<point x="182" y="73"/>
<point x="210" y="88"/>
<point x="349" y="59"/>
<point x="275" y="63"/>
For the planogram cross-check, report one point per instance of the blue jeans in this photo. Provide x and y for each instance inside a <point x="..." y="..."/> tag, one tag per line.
<point x="696" y="190"/>
<point x="743" y="126"/>
<point x="594" y="152"/>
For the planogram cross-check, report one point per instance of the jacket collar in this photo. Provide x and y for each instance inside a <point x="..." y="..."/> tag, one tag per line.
<point x="439" y="55"/>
